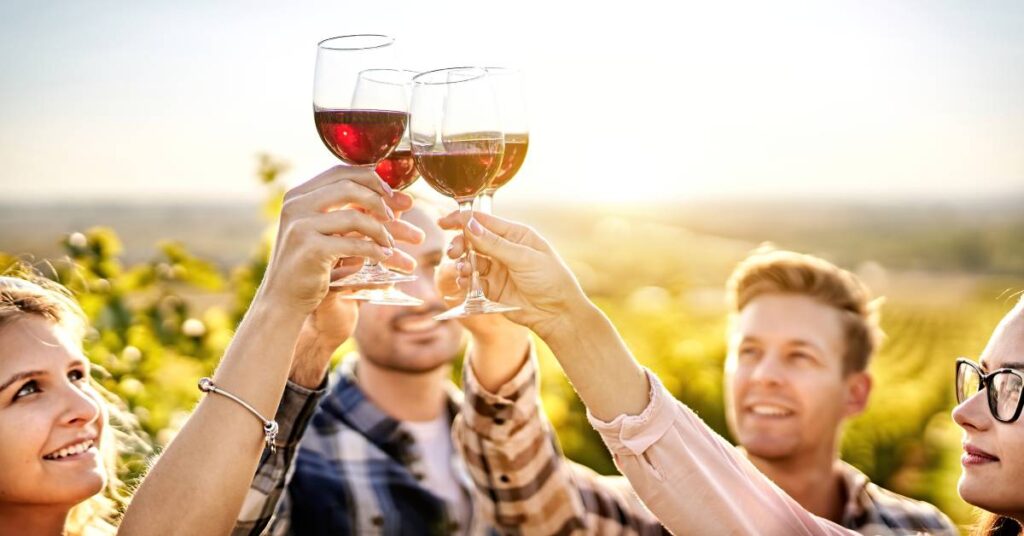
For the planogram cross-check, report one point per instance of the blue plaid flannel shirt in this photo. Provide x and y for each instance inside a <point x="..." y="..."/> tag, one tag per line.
<point x="356" y="471"/>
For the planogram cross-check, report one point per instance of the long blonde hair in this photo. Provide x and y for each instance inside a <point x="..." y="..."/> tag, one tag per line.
<point x="27" y="294"/>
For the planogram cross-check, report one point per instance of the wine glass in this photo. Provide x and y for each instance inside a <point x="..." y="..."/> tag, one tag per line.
<point x="457" y="144"/>
<point x="508" y="91"/>
<point x="360" y="107"/>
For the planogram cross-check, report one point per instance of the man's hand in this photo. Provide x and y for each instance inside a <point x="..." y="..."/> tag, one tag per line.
<point x="499" y="346"/>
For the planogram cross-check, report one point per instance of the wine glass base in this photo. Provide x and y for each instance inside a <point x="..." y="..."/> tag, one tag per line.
<point x="383" y="296"/>
<point x="372" y="278"/>
<point x="478" y="306"/>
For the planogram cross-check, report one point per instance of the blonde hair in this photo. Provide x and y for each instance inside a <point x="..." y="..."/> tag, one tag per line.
<point x="769" y="271"/>
<point x="28" y="294"/>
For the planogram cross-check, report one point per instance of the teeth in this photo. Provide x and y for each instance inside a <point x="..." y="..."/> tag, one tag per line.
<point x="70" y="451"/>
<point x="771" y="411"/>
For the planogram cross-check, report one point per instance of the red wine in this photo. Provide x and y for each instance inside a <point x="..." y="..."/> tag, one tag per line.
<point x="398" y="169"/>
<point x="464" y="169"/>
<point x="360" y="137"/>
<point x="515" y="154"/>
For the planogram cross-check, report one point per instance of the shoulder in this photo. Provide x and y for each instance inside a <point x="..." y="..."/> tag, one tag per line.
<point x="903" y="512"/>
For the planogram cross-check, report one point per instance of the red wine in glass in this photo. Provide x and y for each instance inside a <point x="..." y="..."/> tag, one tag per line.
<point x="360" y="137"/>
<point x="515" y="154"/>
<point x="398" y="169"/>
<point x="465" y="167"/>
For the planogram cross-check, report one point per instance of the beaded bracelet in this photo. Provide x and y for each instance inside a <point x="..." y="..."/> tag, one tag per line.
<point x="206" y="385"/>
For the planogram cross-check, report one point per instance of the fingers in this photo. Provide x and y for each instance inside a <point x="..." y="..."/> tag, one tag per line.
<point x="510" y="231"/>
<point x="464" y="268"/>
<point x="403" y="231"/>
<point x="366" y="177"/>
<point x="341" y="186"/>
<point x="401" y="261"/>
<point x="515" y="256"/>
<point x="340" y="222"/>
<point x="340" y="194"/>
<point x="339" y="247"/>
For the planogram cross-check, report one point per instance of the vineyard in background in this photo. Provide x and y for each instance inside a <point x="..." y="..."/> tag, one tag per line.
<point x="160" y="324"/>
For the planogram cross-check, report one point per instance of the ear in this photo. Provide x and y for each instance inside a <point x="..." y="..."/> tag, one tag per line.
<point x="858" y="389"/>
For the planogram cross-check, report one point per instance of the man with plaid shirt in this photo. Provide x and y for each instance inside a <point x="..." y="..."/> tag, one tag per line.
<point x="372" y="453"/>
<point x="802" y="333"/>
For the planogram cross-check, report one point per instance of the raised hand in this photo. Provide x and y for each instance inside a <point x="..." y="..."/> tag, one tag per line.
<point x="518" y="267"/>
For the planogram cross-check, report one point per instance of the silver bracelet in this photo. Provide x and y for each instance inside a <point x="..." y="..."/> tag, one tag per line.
<point x="206" y="385"/>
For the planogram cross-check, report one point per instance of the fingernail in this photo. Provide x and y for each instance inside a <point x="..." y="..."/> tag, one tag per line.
<point x="391" y="240"/>
<point x="387" y="188"/>
<point x="459" y="266"/>
<point x="451" y="248"/>
<point x="475" y="227"/>
<point x="388" y="252"/>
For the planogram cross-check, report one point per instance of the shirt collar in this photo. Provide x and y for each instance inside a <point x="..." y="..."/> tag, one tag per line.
<point x="347" y="403"/>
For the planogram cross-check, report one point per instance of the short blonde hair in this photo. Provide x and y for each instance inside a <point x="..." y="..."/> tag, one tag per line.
<point x="28" y="294"/>
<point x="788" y="272"/>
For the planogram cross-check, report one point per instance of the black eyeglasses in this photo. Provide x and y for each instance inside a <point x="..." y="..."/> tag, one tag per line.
<point x="1004" y="386"/>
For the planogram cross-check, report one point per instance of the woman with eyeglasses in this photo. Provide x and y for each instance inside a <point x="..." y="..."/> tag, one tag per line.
<point x="693" y="480"/>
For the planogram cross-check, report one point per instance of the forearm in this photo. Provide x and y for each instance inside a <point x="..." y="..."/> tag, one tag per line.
<point x="595" y="358"/>
<point x="199" y="482"/>
<point x="497" y="357"/>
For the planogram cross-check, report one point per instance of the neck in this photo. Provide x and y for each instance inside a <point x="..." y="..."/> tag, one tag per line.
<point x="815" y="481"/>
<point x="26" y="519"/>
<point x="404" y="396"/>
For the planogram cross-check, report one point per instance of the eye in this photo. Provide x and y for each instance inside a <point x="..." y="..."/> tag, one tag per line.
<point x="803" y="356"/>
<point x="76" y="375"/>
<point x="29" y="388"/>
<point x="747" y="352"/>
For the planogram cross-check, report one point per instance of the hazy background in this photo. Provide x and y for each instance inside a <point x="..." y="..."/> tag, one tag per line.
<point x="682" y="100"/>
<point x="668" y="140"/>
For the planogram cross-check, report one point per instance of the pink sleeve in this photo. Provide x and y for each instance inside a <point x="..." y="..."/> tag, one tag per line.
<point x="694" y="481"/>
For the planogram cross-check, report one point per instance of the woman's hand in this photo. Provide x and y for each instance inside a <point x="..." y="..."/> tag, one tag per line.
<point x="321" y="235"/>
<point x="521" y="269"/>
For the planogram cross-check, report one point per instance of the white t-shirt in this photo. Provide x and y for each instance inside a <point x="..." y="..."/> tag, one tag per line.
<point x="435" y="441"/>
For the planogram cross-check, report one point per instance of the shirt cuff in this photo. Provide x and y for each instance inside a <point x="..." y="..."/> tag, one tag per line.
<point x="634" y="434"/>
<point x="298" y="404"/>
<point x="493" y="414"/>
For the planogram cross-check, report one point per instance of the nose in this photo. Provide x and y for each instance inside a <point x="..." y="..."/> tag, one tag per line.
<point x="767" y="370"/>
<point x="80" y="407"/>
<point x="974" y="413"/>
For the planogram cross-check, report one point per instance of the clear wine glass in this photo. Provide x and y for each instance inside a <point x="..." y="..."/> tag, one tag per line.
<point x="508" y="91"/>
<point x="361" y="110"/>
<point x="457" y="143"/>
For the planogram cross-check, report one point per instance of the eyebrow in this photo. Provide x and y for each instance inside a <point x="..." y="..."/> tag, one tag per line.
<point x="1019" y="365"/>
<point x="21" y="376"/>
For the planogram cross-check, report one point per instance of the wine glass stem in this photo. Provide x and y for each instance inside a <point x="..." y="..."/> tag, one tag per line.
<point x="475" y="292"/>
<point x="486" y="202"/>
<point x="368" y="263"/>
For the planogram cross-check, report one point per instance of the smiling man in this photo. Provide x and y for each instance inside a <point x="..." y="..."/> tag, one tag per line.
<point x="801" y="335"/>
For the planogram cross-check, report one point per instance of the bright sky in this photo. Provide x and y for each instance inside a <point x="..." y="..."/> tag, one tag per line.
<point x="638" y="100"/>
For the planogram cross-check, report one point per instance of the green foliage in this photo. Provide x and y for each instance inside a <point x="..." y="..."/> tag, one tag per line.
<point x="159" y="325"/>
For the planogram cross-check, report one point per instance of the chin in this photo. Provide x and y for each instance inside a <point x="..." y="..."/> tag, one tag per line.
<point x="989" y="496"/>
<point x="768" y="448"/>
